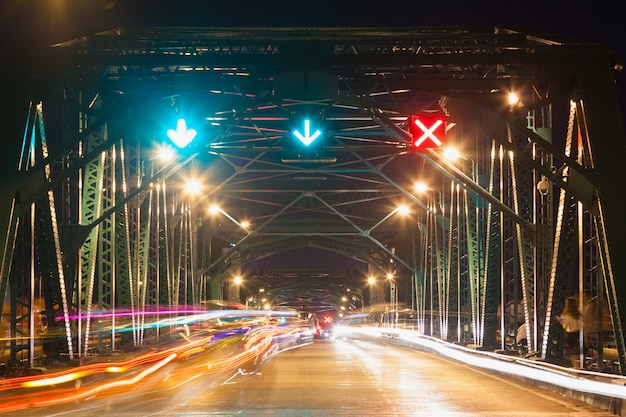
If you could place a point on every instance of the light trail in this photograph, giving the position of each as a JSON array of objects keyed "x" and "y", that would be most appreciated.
[
  {"x": 519, "y": 367},
  {"x": 257, "y": 342}
]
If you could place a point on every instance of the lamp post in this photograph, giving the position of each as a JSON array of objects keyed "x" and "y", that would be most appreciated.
[
  {"x": 192, "y": 188},
  {"x": 402, "y": 209},
  {"x": 244, "y": 225},
  {"x": 238, "y": 280},
  {"x": 214, "y": 209},
  {"x": 371, "y": 281},
  {"x": 393, "y": 299}
]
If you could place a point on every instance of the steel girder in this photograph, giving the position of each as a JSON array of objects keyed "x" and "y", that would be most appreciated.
[{"x": 245, "y": 86}]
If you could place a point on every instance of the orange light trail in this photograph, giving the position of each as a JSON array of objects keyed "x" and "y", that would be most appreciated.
[{"x": 256, "y": 343}]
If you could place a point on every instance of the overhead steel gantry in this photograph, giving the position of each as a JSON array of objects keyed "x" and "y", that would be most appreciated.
[{"x": 95, "y": 224}]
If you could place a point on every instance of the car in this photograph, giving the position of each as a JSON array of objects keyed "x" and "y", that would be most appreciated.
[{"x": 324, "y": 326}]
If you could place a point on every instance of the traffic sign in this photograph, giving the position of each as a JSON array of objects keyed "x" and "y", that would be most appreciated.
[
  {"x": 182, "y": 135},
  {"x": 428, "y": 131},
  {"x": 307, "y": 138}
]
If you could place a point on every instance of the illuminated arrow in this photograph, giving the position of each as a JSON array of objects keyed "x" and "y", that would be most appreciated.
[
  {"x": 307, "y": 139},
  {"x": 182, "y": 136}
]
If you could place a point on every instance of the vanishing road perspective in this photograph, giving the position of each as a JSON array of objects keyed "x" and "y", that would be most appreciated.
[
  {"x": 312, "y": 221},
  {"x": 342, "y": 376}
]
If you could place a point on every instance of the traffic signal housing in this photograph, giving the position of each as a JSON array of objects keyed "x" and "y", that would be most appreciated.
[{"x": 427, "y": 131}]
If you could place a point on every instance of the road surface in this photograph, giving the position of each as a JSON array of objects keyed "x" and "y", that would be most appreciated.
[{"x": 329, "y": 378}]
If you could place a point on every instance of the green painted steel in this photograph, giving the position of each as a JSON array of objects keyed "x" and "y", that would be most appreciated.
[{"x": 483, "y": 254}]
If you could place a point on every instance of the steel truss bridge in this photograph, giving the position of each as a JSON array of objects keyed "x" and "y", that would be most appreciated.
[{"x": 529, "y": 217}]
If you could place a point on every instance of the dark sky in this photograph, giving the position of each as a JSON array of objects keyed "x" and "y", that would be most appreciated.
[
  {"x": 40, "y": 20},
  {"x": 49, "y": 21}
]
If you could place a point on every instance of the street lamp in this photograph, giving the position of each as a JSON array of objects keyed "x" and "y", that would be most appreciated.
[
  {"x": 402, "y": 209},
  {"x": 368, "y": 233},
  {"x": 371, "y": 281},
  {"x": 513, "y": 100},
  {"x": 238, "y": 280},
  {"x": 393, "y": 299},
  {"x": 214, "y": 209},
  {"x": 192, "y": 188},
  {"x": 165, "y": 153},
  {"x": 431, "y": 206},
  {"x": 244, "y": 225},
  {"x": 452, "y": 154}
]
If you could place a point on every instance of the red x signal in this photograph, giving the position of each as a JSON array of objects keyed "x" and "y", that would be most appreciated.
[{"x": 428, "y": 131}]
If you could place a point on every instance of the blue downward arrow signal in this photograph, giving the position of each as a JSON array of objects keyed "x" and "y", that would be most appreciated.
[
  {"x": 182, "y": 136},
  {"x": 307, "y": 138}
]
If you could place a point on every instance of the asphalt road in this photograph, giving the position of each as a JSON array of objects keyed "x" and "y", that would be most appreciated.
[{"x": 336, "y": 378}]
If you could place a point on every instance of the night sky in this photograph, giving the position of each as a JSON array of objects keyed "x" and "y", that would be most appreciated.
[
  {"x": 50, "y": 21},
  {"x": 40, "y": 20}
]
